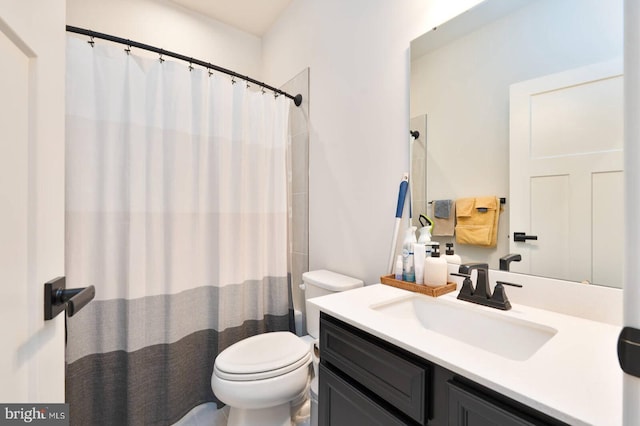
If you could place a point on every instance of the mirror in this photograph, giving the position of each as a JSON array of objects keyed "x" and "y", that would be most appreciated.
[{"x": 460, "y": 103}]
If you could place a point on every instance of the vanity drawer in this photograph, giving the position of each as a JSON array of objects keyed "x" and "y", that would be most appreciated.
[{"x": 389, "y": 375}]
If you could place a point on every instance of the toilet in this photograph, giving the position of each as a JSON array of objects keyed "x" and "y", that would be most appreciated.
[{"x": 259, "y": 377}]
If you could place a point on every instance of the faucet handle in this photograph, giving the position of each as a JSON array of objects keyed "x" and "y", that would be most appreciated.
[
  {"x": 499, "y": 297},
  {"x": 458, "y": 274},
  {"x": 467, "y": 285},
  {"x": 511, "y": 284}
]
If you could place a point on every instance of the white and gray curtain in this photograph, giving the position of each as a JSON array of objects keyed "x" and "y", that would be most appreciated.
[{"x": 176, "y": 212}]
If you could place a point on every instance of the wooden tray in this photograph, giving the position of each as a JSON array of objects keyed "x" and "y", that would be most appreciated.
[{"x": 423, "y": 289}]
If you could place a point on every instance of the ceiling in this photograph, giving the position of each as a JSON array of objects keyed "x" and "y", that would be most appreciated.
[{"x": 252, "y": 16}]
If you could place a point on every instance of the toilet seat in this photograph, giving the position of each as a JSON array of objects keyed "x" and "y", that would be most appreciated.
[{"x": 263, "y": 356}]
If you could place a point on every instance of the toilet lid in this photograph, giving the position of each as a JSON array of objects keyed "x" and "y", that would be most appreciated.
[{"x": 262, "y": 356}]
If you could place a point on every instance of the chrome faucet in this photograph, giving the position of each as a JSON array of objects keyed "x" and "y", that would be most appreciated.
[{"x": 481, "y": 294}]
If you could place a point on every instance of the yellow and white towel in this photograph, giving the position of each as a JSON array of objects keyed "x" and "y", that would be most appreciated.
[{"x": 477, "y": 221}]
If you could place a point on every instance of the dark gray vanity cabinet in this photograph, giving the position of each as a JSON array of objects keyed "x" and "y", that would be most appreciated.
[{"x": 364, "y": 380}]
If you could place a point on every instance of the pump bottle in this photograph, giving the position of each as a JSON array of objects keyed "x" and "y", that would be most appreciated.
[
  {"x": 435, "y": 269},
  {"x": 451, "y": 257}
]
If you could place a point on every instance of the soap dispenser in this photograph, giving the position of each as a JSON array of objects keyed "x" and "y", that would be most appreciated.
[
  {"x": 435, "y": 269},
  {"x": 451, "y": 257}
]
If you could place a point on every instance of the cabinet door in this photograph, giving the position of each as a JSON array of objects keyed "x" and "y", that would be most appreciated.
[
  {"x": 469, "y": 408},
  {"x": 344, "y": 405}
]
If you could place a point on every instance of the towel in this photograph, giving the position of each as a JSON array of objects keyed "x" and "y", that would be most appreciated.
[
  {"x": 443, "y": 226},
  {"x": 442, "y": 209},
  {"x": 477, "y": 221},
  {"x": 464, "y": 207}
]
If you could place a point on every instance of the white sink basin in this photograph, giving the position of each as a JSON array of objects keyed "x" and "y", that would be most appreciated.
[{"x": 511, "y": 338}]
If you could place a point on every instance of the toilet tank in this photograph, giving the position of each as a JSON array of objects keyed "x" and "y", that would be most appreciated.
[{"x": 320, "y": 283}]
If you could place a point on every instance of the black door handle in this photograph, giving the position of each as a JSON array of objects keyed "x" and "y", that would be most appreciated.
[
  {"x": 522, "y": 237},
  {"x": 58, "y": 298}
]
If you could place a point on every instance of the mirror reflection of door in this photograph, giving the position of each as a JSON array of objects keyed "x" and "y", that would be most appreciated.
[{"x": 566, "y": 180}]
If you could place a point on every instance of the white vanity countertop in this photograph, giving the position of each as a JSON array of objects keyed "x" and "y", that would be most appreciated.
[{"x": 575, "y": 377}]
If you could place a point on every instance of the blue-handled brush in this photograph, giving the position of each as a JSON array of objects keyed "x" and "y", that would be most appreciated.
[{"x": 402, "y": 194}]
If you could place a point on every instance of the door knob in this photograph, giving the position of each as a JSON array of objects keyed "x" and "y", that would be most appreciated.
[{"x": 522, "y": 237}]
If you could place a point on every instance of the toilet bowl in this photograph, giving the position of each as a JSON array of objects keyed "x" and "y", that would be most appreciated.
[{"x": 259, "y": 377}]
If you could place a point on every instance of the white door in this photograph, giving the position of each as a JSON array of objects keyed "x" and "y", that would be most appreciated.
[
  {"x": 566, "y": 181},
  {"x": 32, "y": 57}
]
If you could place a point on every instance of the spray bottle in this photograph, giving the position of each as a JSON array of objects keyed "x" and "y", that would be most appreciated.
[
  {"x": 399, "y": 267},
  {"x": 408, "y": 271},
  {"x": 425, "y": 231}
]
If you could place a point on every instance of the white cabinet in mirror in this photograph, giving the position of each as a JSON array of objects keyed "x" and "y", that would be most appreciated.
[{"x": 461, "y": 75}]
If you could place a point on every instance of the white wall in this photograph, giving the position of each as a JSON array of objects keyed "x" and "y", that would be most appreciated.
[
  {"x": 358, "y": 54},
  {"x": 164, "y": 24}
]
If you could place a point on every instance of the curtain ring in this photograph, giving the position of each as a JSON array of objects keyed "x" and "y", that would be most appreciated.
[
  {"x": 128, "y": 49},
  {"x": 91, "y": 42},
  {"x": 160, "y": 59},
  {"x": 210, "y": 72},
  {"x": 190, "y": 67},
  {"x": 263, "y": 91},
  {"x": 233, "y": 80}
]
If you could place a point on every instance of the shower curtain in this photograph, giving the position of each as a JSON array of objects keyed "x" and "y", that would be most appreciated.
[{"x": 176, "y": 212}]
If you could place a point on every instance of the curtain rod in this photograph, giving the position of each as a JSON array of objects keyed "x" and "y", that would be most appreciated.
[{"x": 297, "y": 99}]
